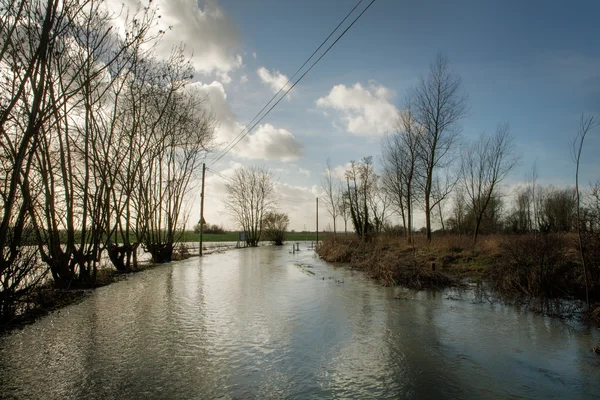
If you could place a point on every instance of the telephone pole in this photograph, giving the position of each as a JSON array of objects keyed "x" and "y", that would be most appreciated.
[
  {"x": 202, "y": 207},
  {"x": 317, "y": 222}
]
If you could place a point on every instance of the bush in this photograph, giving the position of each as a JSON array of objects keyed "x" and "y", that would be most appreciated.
[
  {"x": 275, "y": 224},
  {"x": 537, "y": 265},
  {"x": 591, "y": 253}
]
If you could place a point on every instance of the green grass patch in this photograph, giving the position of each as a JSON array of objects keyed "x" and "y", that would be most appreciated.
[{"x": 233, "y": 237}]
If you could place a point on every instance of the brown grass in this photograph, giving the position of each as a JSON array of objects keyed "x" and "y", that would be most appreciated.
[
  {"x": 394, "y": 261},
  {"x": 532, "y": 265}
]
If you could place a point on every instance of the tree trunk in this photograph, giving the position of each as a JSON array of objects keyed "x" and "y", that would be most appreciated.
[{"x": 427, "y": 219}]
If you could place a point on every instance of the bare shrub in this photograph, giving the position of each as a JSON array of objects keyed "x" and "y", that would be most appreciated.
[
  {"x": 535, "y": 265},
  {"x": 389, "y": 260}
]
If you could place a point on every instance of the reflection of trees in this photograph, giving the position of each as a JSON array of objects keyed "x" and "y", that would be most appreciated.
[{"x": 414, "y": 349}]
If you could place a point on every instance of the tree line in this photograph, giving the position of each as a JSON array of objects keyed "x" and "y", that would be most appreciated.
[
  {"x": 101, "y": 140},
  {"x": 428, "y": 166}
]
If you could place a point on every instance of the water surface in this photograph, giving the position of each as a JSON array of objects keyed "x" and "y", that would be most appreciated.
[{"x": 264, "y": 323}]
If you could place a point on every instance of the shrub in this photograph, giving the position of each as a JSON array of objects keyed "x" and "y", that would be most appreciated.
[
  {"x": 275, "y": 224},
  {"x": 535, "y": 265}
]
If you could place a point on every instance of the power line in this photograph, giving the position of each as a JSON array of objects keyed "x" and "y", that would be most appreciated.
[
  {"x": 219, "y": 175},
  {"x": 226, "y": 149},
  {"x": 295, "y": 83}
]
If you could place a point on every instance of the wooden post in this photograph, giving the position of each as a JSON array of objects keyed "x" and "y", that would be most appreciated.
[{"x": 202, "y": 207}]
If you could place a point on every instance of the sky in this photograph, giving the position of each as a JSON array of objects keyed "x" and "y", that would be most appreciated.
[{"x": 533, "y": 64}]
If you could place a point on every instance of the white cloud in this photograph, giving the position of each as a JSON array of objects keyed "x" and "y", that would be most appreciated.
[
  {"x": 221, "y": 110},
  {"x": 266, "y": 142},
  {"x": 203, "y": 27},
  {"x": 339, "y": 171},
  {"x": 254, "y": 54},
  {"x": 364, "y": 111},
  {"x": 270, "y": 143},
  {"x": 304, "y": 172},
  {"x": 244, "y": 78},
  {"x": 292, "y": 169},
  {"x": 276, "y": 80}
]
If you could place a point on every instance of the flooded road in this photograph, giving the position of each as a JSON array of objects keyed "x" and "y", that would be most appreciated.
[{"x": 264, "y": 323}]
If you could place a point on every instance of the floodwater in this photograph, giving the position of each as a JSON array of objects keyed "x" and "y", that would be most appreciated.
[{"x": 265, "y": 323}]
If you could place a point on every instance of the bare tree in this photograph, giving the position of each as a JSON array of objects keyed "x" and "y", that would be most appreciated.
[
  {"x": 459, "y": 211},
  {"x": 557, "y": 209},
  {"x": 379, "y": 205},
  {"x": 393, "y": 177},
  {"x": 332, "y": 194},
  {"x": 484, "y": 165},
  {"x": 586, "y": 123},
  {"x": 521, "y": 217},
  {"x": 440, "y": 193},
  {"x": 182, "y": 131},
  {"x": 402, "y": 165},
  {"x": 439, "y": 105},
  {"x": 535, "y": 216},
  {"x": 344, "y": 207},
  {"x": 593, "y": 205},
  {"x": 361, "y": 182},
  {"x": 250, "y": 196}
]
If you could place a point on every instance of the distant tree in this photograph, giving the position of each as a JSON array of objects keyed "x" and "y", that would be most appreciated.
[
  {"x": 586, "y": 123},
  {"x": 250, "y": 195},
  {"x": 459, "y": 210},
  {"x": 379, "y": 205},
  {"x": 557, "y": 209},
  {"x": 519, "y": 218},
  {"x": 593, "y": 207},
  {"x": 484, "y": 165},
  {"x": 361, "y": 182},
  {"x": 438, "y": 106},
  {"x": 401, "y": 165},
  {"x": 344, "y": 207},
  {"x": 275, "y": 225},
  {"x": 208, "y": 228},
  {"x": 332, "y": 194}
]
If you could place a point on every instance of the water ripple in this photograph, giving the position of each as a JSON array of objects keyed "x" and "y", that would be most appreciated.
[{"x": 253, "y": 323}]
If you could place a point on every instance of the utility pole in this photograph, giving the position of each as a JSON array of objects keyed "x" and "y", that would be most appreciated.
[
  {"x": 202, "y": 207},
  {"x": 317, "y": 222}
]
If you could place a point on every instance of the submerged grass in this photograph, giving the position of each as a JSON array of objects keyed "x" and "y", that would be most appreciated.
[
  {"x": 545, "y": 266},
  {"x": 392, "y": 261}
]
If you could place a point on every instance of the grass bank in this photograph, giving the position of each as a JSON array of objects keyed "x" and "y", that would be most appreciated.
[{"x": 545, "y": 266}]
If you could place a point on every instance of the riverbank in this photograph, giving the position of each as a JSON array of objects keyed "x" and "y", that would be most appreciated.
[
  {"x": 515, "y": 267},
  {"x": 48, "y": 298}
]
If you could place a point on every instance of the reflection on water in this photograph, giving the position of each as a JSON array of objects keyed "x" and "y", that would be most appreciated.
[{"x": 264, "y": 323}]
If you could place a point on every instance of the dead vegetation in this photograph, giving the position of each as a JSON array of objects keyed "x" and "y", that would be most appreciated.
[
  {"x": 544, "y": 265},
  {"x": 392, "y": 261}
]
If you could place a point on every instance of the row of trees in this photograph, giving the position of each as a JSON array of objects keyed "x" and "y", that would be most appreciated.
[
  {"x": 251, "y": 202},
  {"x": 425, "y": 169},
  {"x": 100, "y": 143}
]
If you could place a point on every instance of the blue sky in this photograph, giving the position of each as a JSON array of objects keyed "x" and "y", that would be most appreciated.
[{"x": 533, "y": 64}]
